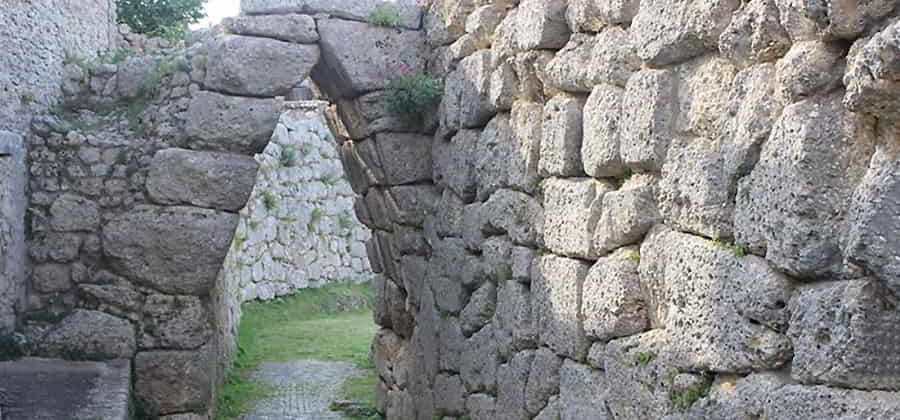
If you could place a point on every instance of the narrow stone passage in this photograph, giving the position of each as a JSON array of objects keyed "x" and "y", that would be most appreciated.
[{"x": 304, "y": 389}]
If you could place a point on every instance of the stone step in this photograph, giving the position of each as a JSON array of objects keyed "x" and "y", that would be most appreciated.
[{"x": 51, "y": 389}]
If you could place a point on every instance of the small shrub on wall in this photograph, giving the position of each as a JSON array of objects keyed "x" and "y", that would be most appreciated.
[
  {"x": 162, "y": 18},
  {"x": 385, "y": 15},
  {"x": 411, "y": 96}
]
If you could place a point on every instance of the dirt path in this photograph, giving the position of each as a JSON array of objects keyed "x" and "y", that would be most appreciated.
[{"x": 304, "y": 389}]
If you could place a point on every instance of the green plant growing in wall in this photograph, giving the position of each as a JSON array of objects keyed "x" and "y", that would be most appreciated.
[
  {"x": 644, "y": 358},
  {"x": 288, "y": 156},
  {"x": 345, "y": 221},
  {"x": 683, "y": 399},
  {"x": 269, "y": 200},
  {"x": 27, "y": 99},
  {"x": 385, "y": 15},
  {"x": 411, "y": 96},
  {"x": 314, "y": 218}
]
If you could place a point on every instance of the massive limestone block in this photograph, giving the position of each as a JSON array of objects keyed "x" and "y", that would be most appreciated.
[
  {"x": 556, "y": 305},
  {"x": 561, "y": 136},
  {"x": 360, "y": 10},
  {"x": 511, "y": 382},
  {"x": 627, "y": 214},
  {"x": 176, "y": 250},
  {"x": 513, "y": 322},
  {"x": 543, "y": 380},
  {"x": 479, "y": 362},
  {"x": 480, "y": 407},
  {"x": 844, "y": 334},
  {"x": 582, "y": 392},
  {"x": 735, "y": 397},
  {"x": 405, "y": 157},
  {"x": 204, "y": 179},
  {"x": 569, "y": 69},
  {"x": 449, "y": 395},
  {"x": 795, "y": 201},
  {"x": 694, "y": 193},
  {"x": 504, "y": 86},
  {"x": 572, "y": 208},
  {"x": 798, "y": 402},
  {"x": 230, "y": 124},
  {"x": 407, "y": 205},
  {"x": 874, "y": 215},
  {"x": 594, "y": 15},
  {"x": 454, "y": 163},
  {"x": 513, "y": 212},
  {"x": 480, "y": 309},
  {"x": 613, "y": 60},
  {"x": 542, "y": 24},
  {"x": 235, "y": 61},
  {"x": 704, "y": 90},
  {"x": 670, "y": 31},
  {"x": 291, "y": 27},
  {"x": 612, "y": 301},
  {"x": 639, "y": 376},
  {"x": 483, "y": 21},
  {"x": 71, "y": 212},
  {"x": 445, "y": 21},
  {"x": 169, "y": 382},
  {"x": 366, "y": 115},
  {"x": 845, "y": 20},
  {"x": 505, "y": 157},
  {"x": 648, "y": 118},
  {"x": 600, "y": 146},
  {"x": 721, "y": 312},
  {"x": 466, "y": 102},
  {"x": 89, "y": 335},
  {"x": 174, "y": 322},
  {"x": 525, "y": 119},
  {"x": 451, "y": 344},
  {"x": 349, "y": 69},
  {"x": 873, "y": 74},
  {"x": 809, "y": 68},
  {"x": 755, "y": 34}
]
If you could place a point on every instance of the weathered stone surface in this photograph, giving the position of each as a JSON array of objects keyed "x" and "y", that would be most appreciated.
[
  {"x": 612, "y": 302},
  {"x": 71, "y": 212},
  {"x": 542, "y": 24},
  {"x": 349, "y": 69},
  {"x": 173, "y": 249},
  {"x": 480, "y": 309},
  {"x": 572, "y": 208},
  {"x": 613, "y": 60},
  {"x": 600, "y": 146},
  {"x": 874, "y": 215},
  {"x": 444, "y": 22},
  {"x": 466, "y": 102},
  {"x": 561, "y": 136},
  {"x": 556, "y": 305},
  {"x": 517, "y": 214},
  {"x": 174, "y": 381},
  {"x": 808, "y": 68},
  {"x": 481, "y": 407},
  {"x": 543, "y": 380},
  {"x": 836, "y": 328},
  {"x": 511, "y": 380},
  {"x": 174, "y": 322},
  {"x": 525, "y": 119},
  {"x": 503, "y": 159},
  {"x": 50, "y": 278},
  {"x": 797, "y": 402},
  {"x": 704, "y": 91},
  {"x": 648, "y": 118},
  {"x": 513, "y": 323},
  {"x": 13, "y": 248},
  {"x": 708, "y": 299},
  {"x": 569, "y": 69},
  {"x": 504, "y": 87},
  {"x": 449, "y": 395},
  {"x": 794, "y": 202},
  {"x": 366, "y": 115},
  {"x": 290, "y": 27},
  {"x": 873, "y": 74},
  {"x": 627, "y": 214},
  {"x": 755, "y": 34},
  {"x": 451, "y": 345},
  {"x": 479, "y": 362},
  {"x": 582, "y": 392},
  {"x": 483, "y": 21},
  {"x": 406, "y": 158},
  {"x": 845, "y": 21},
  {"x": 638, "y": 375},
  {"x": 735, "y": 397},
  {"x": 454, "y": 163},
  {"x": 360, "y": 10},
  {"x": 203, "y": 179},
  {"x": 408, "y": 204},
  {"x": 670, "y": 31},
  {"x": 230, "y": 124},
  {"x": 89, "y": 335},
  {"x": 234, "y": 63}
]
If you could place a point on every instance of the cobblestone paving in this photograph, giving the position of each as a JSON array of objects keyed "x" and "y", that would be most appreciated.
[{"x": 305, "y": 389}]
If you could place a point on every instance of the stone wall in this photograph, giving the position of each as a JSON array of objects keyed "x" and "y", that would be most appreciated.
[
  {"x": 298, "y": 230},
  {"x": 12, "y": 229}
]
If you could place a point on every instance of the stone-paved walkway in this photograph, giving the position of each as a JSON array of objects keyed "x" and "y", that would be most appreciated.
[{"x": 305, "y": 389}]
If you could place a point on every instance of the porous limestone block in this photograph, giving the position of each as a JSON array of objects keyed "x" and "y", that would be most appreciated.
[
  {"x": 230, "y": 124},
  {"x": 449, "y": 395},
  {"x": 511, "y": 382},
  {"x": 704, "y": 91},
  {"x": 708, "y": 299},
  {"x": 174, "y": 322},
  {"x": 572, "y": 208},
  {"x": 613, "y": 60},
  {"x": 561, "y": 136},
  {"x": 612, "y": 301},
  {"x": 513, "y": 323},
  {"x": 89, "y": 335},
  {"x": 798, "y": 402},
  {"x": 175, "y": 250},
  {"x": 530, "y": 66},
  {"x": 516, "y": 213},
  {"x": 542, "y": 24},
  {"x": 406, "y": 157},
  {"x": 454, "y": 163},
  {"x": 873, "y": 76},
  {"x": 72, "y": 212},
  {"x": 483, "y": 21},
  {"x": 809, "y": 68},
  {"x": 234, "y": 62},
  {"x": 481, "y": 407},
  {"x": 445, "y": 21},
  {"x": 616, "y": 12},
  {"x": 480, "y": 308},
  {"x": 582, "y": 392},
  {"x": 755, "y": 34},
  {"x": 288, "y": 27},
  {"x": 496, "y": 156},
  {"x": 556, "y": 305},
  {"x": 408, "y": 11},
  {"x": 174, "y": 381},
  {"x": 670, "y": 31},
  {"x": 600, "y": 146},
  {"x": 735, "y": 397},
  {"x": 505, "y": 45},
  {"x": 648, "y": 119},
  {"x": 794, "y": 203},
  {"x": 844, "y": 334},
  {"x": 466, "y": 102},
  {"x": 479, "y": 362},
  {"x": 839, "y": 20},
  {"x": 543, "y": 380},
  {"x": 451, "y": 345},
  {"x": 627, "y": 214},
  {"x": 214, "y": 180},
  {"x": 407, "y": 205},
  {"x": 349, "y": 69},
  {"x": 569, "y": 70},
  {"x": 366, "y": 115},
  {"x": 639, "y": 376},
  {"x": 525, "y": 119},
  {"x": 504, "y": 86}
]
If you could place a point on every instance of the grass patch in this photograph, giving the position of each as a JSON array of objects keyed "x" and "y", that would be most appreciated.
[
  {"x": 385, "y": 15},
  {"x": 288, "y": 156},
  {"x": 269, "y": 200},
  {"x": 331, "y": 323},
  {"x": 684, "y": 399},
  {"x": 357, "y": 401},
  {"x": 644, "y": 358}
]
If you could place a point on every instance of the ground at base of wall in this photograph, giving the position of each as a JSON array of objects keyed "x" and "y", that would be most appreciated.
[{"x": 328, "y": 329}]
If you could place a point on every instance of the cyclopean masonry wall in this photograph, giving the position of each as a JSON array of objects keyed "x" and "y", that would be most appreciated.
[
  {"x": 621, "y": 210},
  {"x": 12, "y": 229},
  {"x": 298, "y": 230}
]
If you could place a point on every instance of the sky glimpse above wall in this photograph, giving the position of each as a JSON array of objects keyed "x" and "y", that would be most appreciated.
[{"x": 216, "y": 10}]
